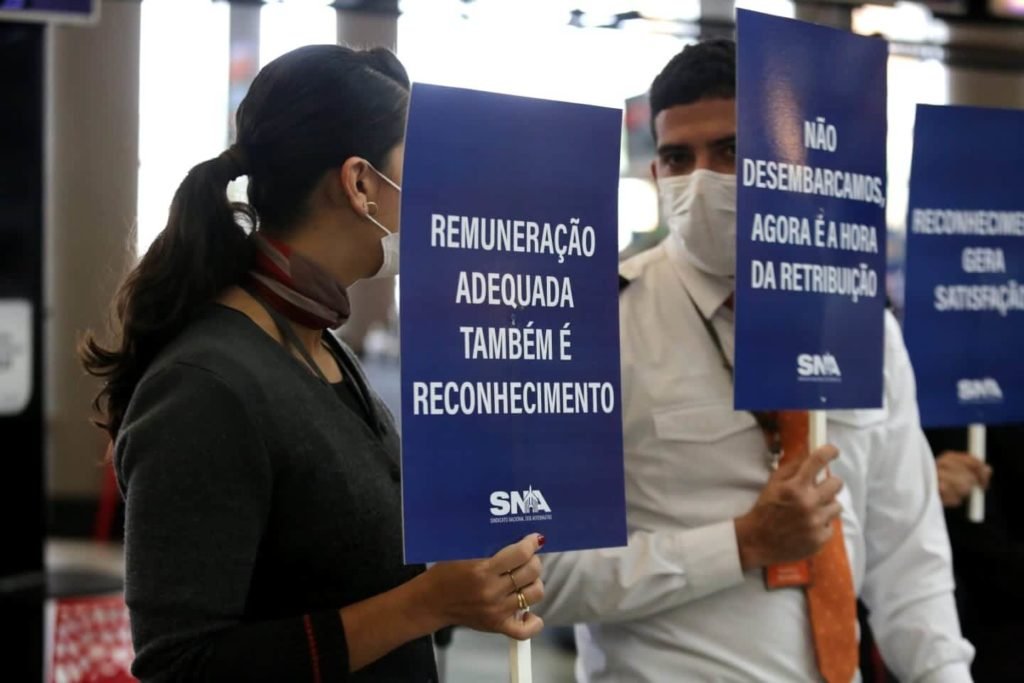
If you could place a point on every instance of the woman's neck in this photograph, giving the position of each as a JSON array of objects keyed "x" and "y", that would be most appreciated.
[
  {"x": 331, "y": 246},
  {"x": 242, "y": 301}
]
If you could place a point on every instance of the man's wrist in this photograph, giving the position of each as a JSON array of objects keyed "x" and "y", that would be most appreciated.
[{"x": 750, "y": 557}]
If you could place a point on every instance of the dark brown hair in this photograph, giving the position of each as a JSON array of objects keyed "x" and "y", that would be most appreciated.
[{"x": 305, "y": 113}]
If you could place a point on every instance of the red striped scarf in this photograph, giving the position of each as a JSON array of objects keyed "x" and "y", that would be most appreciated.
[{"x": 296, "y": 287}]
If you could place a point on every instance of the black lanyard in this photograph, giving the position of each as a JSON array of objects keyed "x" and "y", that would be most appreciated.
[
  {"x": 289, "y": 336},
  {"x": 766, "y": 420},
  {"x": 292, "y": 339}
]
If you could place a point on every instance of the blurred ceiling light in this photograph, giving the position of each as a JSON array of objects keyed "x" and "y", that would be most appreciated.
[
  {"x": 1012, "y": 9},
  {"x": 905, "y": 21},
  {"x": 662, "y": 14},
  {"x": 780, "y": 8}
]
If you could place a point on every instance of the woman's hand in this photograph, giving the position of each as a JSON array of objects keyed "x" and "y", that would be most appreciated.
[{"x": 482, "y": 594}]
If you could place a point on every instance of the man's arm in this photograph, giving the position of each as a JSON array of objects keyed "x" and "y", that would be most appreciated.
[
  {"x": 662, "y": 570},
  {"x": 908, "y": 585},
  {"x": 656, "y": 571}
]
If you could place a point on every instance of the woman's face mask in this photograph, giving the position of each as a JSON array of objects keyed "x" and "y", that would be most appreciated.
[
  {"x": 700, "y": 209},
  {"x": 390, "y": 241}
]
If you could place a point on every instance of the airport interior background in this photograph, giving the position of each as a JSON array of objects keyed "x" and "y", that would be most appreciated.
[{"x": 100, "y": 121}]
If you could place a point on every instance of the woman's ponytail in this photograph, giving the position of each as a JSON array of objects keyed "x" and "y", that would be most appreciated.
[{"x": 202, "y": 250}]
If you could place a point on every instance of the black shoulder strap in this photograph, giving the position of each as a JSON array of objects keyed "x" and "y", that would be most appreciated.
[
  {"x": 291, "y": 339},
  {"x": 766, "y": 420}
]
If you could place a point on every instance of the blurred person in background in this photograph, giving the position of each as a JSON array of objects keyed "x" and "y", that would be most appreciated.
[
  {"x": 988, "y": 558},
  {"x": 372, "y": 313},
  {"x": 709, "y": 505},
  {"x": 260, "y": 471}
]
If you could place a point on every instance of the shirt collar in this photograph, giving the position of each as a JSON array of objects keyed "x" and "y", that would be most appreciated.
[{"x": 709, "y": 292}]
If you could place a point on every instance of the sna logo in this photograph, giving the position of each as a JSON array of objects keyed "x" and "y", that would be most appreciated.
[
  {"x": 984, "y": 390},
  {"x": 818, "y": 367},
  {"x": 529, "y": 502}
]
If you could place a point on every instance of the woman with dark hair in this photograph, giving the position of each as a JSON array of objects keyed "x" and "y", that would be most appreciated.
[{"x": 260, "y": 472}]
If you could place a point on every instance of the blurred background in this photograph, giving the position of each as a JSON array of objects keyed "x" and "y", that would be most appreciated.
[{"x": 106, "y": 106}]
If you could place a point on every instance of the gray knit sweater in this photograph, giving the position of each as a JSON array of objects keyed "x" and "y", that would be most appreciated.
[{"x": 257, "y": 504}]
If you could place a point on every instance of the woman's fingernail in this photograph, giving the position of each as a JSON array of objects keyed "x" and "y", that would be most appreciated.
[{"x": 541, "y": 540}]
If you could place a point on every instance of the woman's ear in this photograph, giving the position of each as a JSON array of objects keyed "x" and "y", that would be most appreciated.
[{"x": 356, "y": 184}]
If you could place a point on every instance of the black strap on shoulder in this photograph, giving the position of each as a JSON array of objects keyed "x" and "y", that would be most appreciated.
[
  {"x": 290, "y": 338},
  {"x": 766, "y": 420}
]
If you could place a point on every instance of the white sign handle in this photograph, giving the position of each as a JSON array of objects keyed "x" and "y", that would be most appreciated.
[
  {"x": 818, "y": 431},
  {"x": 520, "y": 661},
  {"x": 976, "y": 447},
  {"x": 817, "y": 435},
  {"x": 15, "y": 355}
]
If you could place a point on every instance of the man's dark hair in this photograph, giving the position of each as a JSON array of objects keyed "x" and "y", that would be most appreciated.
[{"x": 703, "y": 71}]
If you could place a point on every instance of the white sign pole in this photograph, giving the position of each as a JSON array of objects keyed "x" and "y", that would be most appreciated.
[
  {"x": 15, "y": 355},
  {"x": 976, "y": 447},
  {"x": 520, "y": 661},
  {"x": 818, "y": 431}
]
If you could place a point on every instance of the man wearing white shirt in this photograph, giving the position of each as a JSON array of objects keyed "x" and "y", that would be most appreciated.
[{"x": 686, "y": 600}]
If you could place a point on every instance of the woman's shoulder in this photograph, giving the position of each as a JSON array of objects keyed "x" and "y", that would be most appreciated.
[
  {"x": 224, "y": 343},
  {"x": 220, "y": 357},
  {"x": 217, "y": 367}
]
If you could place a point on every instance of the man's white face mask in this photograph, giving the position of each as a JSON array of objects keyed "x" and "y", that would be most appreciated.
[{"x": 700, "y": 209}]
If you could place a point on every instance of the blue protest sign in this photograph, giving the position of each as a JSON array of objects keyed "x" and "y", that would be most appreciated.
[
  {"x": 810, "y": 222},
  {"x": 509, "y": 323},
  {"x": 72, "y": 11},
  {"x": 964, "y": 302}
]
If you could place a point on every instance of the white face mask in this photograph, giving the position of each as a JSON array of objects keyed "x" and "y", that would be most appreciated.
[
  {"x": 390, "y": 243},
  {"x": 700, "y": 209}
]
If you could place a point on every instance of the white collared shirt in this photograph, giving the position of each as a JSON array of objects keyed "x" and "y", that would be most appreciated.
[{"x": 675, "y": 605}]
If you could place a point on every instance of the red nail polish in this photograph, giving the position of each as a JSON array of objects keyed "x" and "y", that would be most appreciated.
[{"x": 541, "y": 540}]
